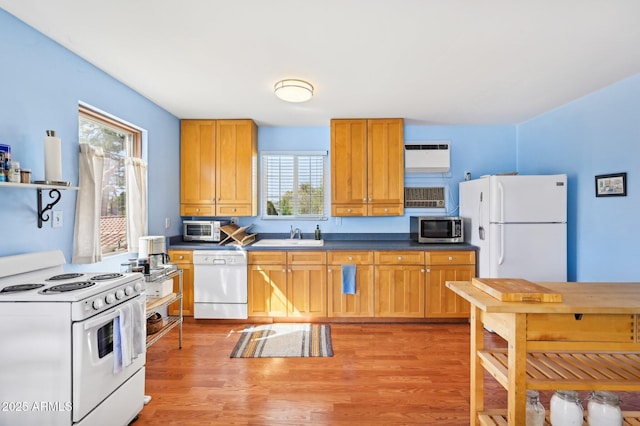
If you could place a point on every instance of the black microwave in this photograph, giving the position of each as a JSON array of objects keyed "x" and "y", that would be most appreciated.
[{"x": 436, "y": 229}]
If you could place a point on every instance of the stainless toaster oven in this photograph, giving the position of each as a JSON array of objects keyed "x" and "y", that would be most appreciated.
[{"x": 202, "y": 230}]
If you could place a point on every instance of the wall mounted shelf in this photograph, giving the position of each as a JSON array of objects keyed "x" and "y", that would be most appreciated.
[{"x": 54, "y": 193}]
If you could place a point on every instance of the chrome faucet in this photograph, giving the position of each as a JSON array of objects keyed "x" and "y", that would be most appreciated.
[{"x": 295, "y": 232}]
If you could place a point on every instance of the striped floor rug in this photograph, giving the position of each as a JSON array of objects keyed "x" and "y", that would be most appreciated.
[{"x": 283, "y": 341}]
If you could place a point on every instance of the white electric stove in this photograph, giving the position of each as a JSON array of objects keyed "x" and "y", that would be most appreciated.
[{"x": 73, "y": 344}]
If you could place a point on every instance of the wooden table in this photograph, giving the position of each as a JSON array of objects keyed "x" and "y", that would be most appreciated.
[{"x": 589, "y": 341}]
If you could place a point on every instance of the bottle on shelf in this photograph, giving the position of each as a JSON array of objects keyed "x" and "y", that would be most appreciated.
[{"x": 535, "y": 409}]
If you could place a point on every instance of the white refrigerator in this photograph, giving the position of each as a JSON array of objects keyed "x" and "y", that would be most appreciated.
[{"x": 519, "y": 224}]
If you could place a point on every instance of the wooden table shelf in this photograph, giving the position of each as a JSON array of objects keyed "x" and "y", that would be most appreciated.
[
  {"x": 499, "y": 418},
  {"x": 588, "y": 341},
  {"x": 615, "y": 371}
]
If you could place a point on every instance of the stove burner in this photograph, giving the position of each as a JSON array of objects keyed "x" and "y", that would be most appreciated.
[
  {"x": 103, "y": 277},
  {"x": 64, "y": 277},
  {"x": 63, "y": 288},
  {"x": 20, "y": 287}
]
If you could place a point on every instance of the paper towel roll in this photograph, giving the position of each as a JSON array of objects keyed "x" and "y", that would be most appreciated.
[{"x": 52, "y": 159}]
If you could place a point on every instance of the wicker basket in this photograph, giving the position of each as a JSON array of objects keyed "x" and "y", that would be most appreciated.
[{"x": 154, "y": 323}]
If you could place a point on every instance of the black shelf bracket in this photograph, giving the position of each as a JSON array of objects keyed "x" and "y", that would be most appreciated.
[{"x": 43, "y": 216}]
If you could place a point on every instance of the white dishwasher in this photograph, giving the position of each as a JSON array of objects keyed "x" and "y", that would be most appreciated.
[{"x": 220, "y": 284}]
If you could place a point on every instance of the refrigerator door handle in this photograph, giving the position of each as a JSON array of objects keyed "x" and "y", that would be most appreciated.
[
  {"x": 501, "y": 191},
  {"x": 501, "y": 257},
  {"x": 480, "y": 218}
]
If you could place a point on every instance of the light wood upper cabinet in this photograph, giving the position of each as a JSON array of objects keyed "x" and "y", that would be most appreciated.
[
  {"x": 197, "y": 167},
  {"x": 218, "y": 168},
  {"x": 349, "y": 164},
  {"x": 367, "y": 167},
  {"x": 236, "y": 171},
  {"x": 385, "y": 153}
]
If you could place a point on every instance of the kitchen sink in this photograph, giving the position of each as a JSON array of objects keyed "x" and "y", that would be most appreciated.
[{"x": 288, "y": 242}]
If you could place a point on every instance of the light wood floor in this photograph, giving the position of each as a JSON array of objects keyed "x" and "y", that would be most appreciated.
[{"x": 381, "y": 374}]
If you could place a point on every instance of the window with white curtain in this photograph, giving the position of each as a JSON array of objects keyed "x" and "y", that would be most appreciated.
[
  {"x": 118, "y": 142},
  {"x": 293, "y": 185}
]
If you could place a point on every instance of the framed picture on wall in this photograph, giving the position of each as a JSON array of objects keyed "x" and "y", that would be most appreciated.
[{"x": 613, "y": 185}]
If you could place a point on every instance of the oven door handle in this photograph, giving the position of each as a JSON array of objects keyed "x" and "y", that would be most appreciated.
[{"x": 101, "y": 320}]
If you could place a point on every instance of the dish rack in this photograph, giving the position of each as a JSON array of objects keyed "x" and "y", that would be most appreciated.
[{"x": 238, "y": 234}]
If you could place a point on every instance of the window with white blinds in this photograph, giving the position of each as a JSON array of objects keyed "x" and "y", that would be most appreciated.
[{"x": 293, "y": 185}]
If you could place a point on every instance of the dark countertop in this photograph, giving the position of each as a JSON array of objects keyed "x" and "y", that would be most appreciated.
[{"x": 331, "y": 242}]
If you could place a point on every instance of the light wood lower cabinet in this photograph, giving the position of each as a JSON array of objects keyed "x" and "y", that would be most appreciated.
[
  {"x": 267, "y": 284},
  {"x": 389, "y": 284},
  {"x": 399, "y": 284},
  {"x": 267, "y": 290},
  {"x": 350, "y": 305},
  {"x": 445, "y": 266},
  {"x": 184, "y": 260},
  {"x": 287, "y": 284}
]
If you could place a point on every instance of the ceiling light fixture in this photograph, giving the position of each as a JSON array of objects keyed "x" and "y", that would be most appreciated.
[{"x": 292, "y": 90}]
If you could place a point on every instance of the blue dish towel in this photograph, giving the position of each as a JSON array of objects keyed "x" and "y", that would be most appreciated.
[{"x": 349, "y": 279}]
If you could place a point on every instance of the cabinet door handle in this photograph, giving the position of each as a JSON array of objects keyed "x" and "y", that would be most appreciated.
[
  {"x": 364, "y": 199},
  {"x": 399, "y": 257},
  {"x": 289, "y": 270},
  {"x": 450, "y": 258},
  {"x": 284, "y": 270},
  {"x": 329, "y": 270},
  {"x": 386, "y": 210},
  {"x": 350, "y": 257},
  {"x": 422, "y": 270},
  {"x": 197, "y": 209},
  {"x": 233, "y": 209},
  {"x": 181, "y": 257},
  {"x": 348, "y": 210},
  {"x": 428, "y": 270}
]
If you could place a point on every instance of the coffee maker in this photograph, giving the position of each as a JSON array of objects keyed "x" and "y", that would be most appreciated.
[{"x": 153, "y": 248}]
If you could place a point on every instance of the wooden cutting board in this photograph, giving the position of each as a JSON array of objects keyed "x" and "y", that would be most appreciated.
[{"x": 516, "y": 290}]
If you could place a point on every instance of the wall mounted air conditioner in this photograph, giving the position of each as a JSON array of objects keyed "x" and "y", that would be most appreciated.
[
  {"x": 426, "y": 197},
  {"x": 423, "y": 157}
]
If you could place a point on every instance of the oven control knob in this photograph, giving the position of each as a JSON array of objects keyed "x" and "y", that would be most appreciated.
[
  {"x": 137, "y": 286},
  {"x": 110, "y": 298},
  {"x": 128, "y": 290},
  {"x": 119, "y": 294},
  {"x": 98, "y": 304}
]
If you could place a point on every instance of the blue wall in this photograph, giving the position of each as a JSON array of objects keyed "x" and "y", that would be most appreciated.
[
  {"x": 42, "y": 84},
  {"x": 597, "y": 134}
]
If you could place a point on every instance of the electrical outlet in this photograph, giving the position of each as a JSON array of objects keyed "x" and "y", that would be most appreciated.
[
  {"x": 57, "y": 219},
  {"x": 235, "y": 220},
  {"x": 167, "y": 222}
]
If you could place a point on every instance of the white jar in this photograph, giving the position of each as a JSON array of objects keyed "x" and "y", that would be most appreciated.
[
  {"x": 14, "y": 172},
  {"x": 535, "y": 409},
  {"x": 565, "y": 409},
  {"x": 603, "y": 409}
]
